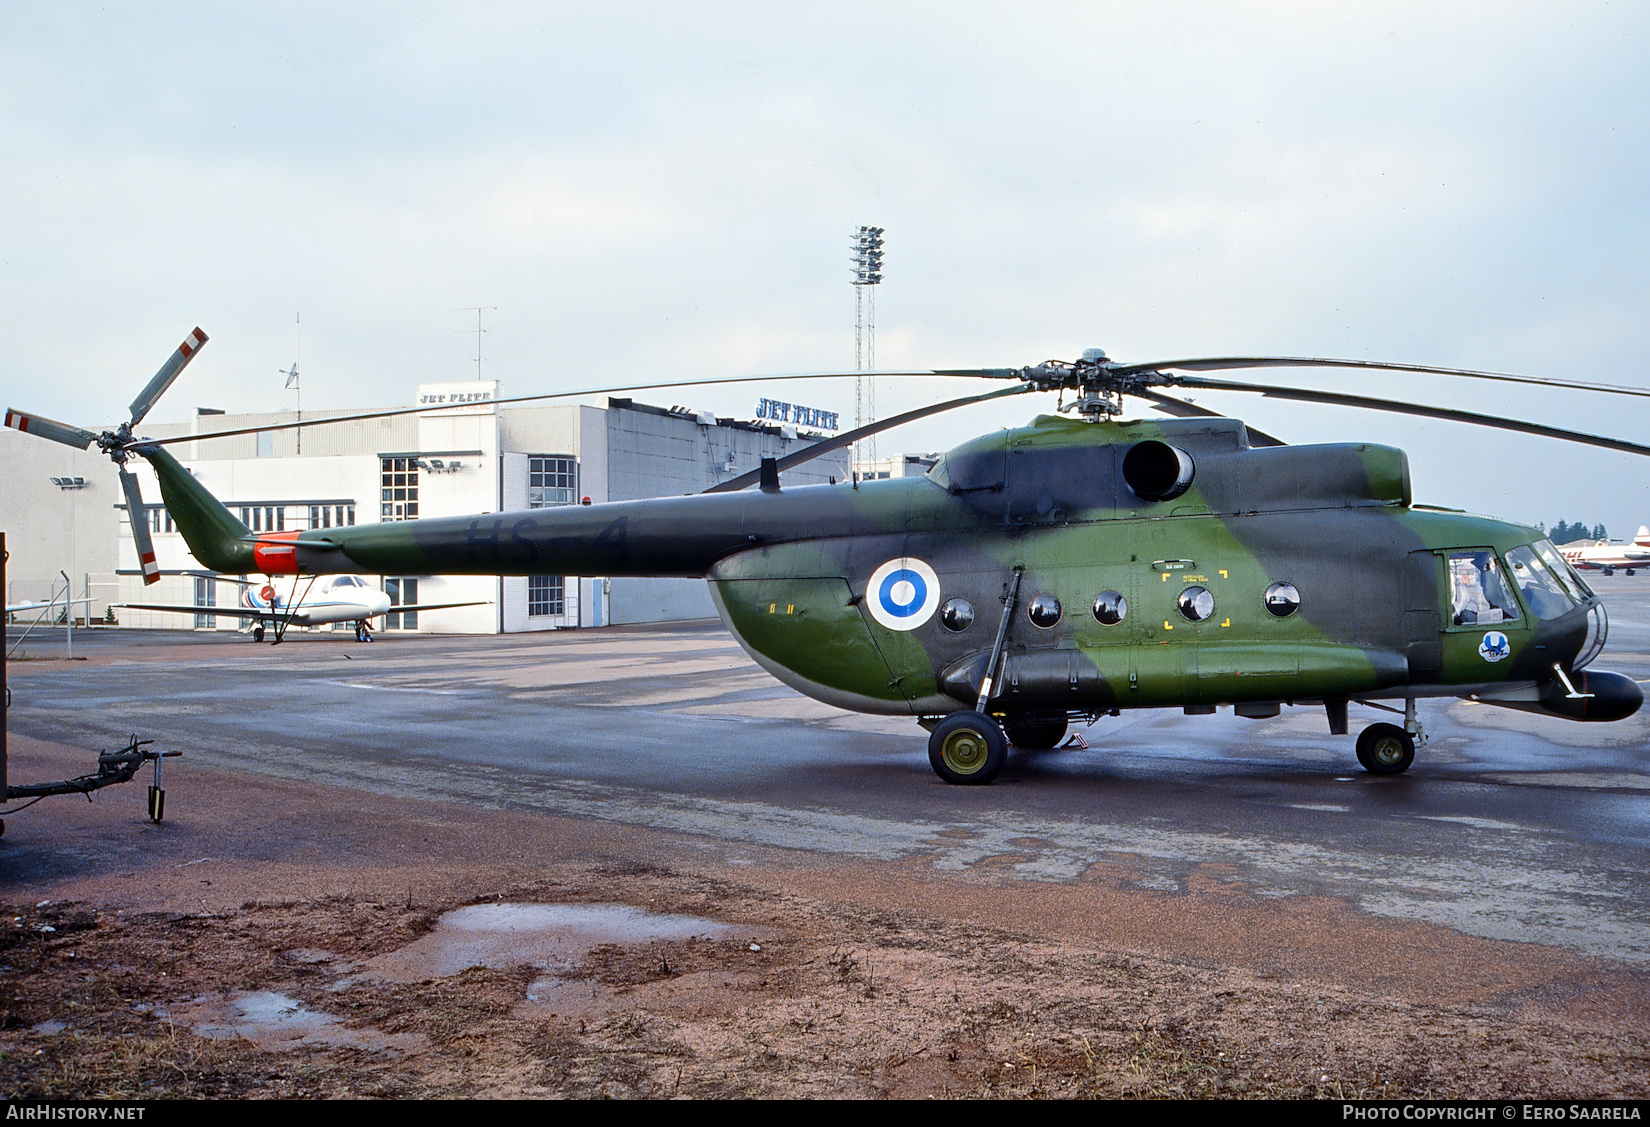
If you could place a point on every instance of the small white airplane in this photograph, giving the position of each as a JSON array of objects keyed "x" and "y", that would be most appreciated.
[
  {"x": 1607, "y": 556},
  {"x": 327, "y": 599}
]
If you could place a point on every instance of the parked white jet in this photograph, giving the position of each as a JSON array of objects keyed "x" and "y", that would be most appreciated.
[
  {"x": 1608, "y": 556},
  {"x": 333, "y": 598}
]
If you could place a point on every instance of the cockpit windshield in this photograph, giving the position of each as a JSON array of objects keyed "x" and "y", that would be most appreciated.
[
  {"x": 1567, "y": 575},
  {"x": 1543, "y": 592}
]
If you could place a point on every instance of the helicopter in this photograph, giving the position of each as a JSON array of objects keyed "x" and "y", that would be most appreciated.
[{"x": 1061, "y": 571}]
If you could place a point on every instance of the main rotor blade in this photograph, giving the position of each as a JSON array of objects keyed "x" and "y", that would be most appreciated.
[
  {"x": 138, "y": 517},
  {"x": 1337, "y": 400},
  {"x": 169, "y": 371},
  {"x": 848, "y": 438},
  {"x": 49, "y": 428},
  {"x": 1181, "y": 409},
  {"x": 985, "y": 373},
  {"x": 1231, "y": 363}
]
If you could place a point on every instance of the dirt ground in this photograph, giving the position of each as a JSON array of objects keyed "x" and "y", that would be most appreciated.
[{"x": 266, "y": 942}]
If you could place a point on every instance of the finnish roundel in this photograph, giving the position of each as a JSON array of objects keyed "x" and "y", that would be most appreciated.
[{"x": 903, "y": 593}]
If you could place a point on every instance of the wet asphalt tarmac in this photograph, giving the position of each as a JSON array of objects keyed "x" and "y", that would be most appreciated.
[{"x": 1509, "y": 826}]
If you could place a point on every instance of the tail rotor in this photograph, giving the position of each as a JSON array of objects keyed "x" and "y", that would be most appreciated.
[{"x": 119, "y": 443}]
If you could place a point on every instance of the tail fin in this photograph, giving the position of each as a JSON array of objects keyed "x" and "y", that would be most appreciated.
[
  {"x": 214, "y": 536},
  {"x": 1643, "y": 538}
]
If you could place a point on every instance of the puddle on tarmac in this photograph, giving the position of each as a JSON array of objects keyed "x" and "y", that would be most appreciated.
[
  {"x": 551, "y": 937},
  {"x": 548, "y": 936},
  {"x": 274, "y": 1021}
]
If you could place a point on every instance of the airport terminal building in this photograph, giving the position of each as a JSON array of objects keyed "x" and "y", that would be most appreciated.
[{"x": 478, "y": 458}]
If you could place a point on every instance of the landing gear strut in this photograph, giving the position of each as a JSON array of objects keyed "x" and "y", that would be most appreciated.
[{"x": 363, "y": 632}]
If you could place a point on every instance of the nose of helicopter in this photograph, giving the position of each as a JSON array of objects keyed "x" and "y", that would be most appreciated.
[{"x": 1572, "y": 690}]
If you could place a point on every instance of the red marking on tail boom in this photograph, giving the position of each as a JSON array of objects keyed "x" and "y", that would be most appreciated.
[{"x": 273, "y": 560}]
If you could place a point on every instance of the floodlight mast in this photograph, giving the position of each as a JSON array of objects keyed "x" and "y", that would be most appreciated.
[{"x": 867, "y": 264}]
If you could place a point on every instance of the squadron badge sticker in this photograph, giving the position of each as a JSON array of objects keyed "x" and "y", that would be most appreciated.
[
  {"x": 903, "y": 593},
  {"x": 1494, "y": 646}
]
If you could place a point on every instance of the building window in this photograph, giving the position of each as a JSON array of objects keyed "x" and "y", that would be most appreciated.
[
  {"x": 206, "y": 595},
  {"x": 552, "y": 480},
  {"x": 403, "y": 593},
  {"x": 264, "y": 518},
  {"x": 399, "y": 489},
  {"x": 331, "y": 516},
  {"x": 546, "y": 595},
  {"x": 159, "y": 519}
]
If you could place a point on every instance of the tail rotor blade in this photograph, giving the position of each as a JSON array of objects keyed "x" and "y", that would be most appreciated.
[
  {"x": 169, "y": 371},
  {"x": 139, "y": 518},
  {"x": 49, "y": 428}
]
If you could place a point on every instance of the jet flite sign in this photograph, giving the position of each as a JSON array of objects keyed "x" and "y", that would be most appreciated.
[
  {"x": 472, "y": 397},
  {"x": 796, "y": 414}
]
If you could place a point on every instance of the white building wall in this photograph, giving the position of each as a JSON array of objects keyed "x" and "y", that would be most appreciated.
[{"x": 49, "y": 529}]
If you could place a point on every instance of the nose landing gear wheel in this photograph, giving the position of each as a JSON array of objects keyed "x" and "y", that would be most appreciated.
[
  {"x": 967, "y": 748},
  {"x": 1385, "y": 749}
]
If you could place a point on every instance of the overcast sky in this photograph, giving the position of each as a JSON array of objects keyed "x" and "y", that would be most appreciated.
[{"x": 653, "y": 190}]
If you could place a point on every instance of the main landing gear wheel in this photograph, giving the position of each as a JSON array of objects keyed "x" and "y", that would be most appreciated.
[
  {"x": 1385, "y": 749},
  {"x": 257, "y": 633},
  {"x": 967, "y": 747},
  {"x": 1034, "y": 732}
]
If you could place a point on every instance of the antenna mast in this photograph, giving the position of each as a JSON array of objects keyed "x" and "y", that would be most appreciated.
[
  {"x": 478, "y": 310},
  {"x": 291, "y": 375},
  {"x": 867, "y": 264}
]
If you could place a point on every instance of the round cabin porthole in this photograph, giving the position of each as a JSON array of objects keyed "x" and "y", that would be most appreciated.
[
  {"x": 1196, "y": 604},
  {"x": 1110, "y": 608},
  {"x": 957, "y": 615},
  {"x": 1045, "y": 611},
  {"x": 1282, "y": 600}
]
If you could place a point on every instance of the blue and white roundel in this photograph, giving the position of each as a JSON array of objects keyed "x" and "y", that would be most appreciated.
[{"x": 903, "y": 593}]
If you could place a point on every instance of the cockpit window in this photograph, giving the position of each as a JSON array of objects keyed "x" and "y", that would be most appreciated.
[
  {"x": 1478, "y": 590},
  {"x": 1543, "y": 593}
]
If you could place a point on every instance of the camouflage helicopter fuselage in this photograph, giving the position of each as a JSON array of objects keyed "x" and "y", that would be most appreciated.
[{"x": 1143, "y": 564}]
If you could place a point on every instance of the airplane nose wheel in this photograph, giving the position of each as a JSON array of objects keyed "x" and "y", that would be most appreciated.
[
  {"x": 1385, "y": 749},
  {"x": 968, "y": 748}
]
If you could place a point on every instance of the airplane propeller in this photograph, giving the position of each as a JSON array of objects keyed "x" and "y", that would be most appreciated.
[{"x": 118, "y": 443}]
